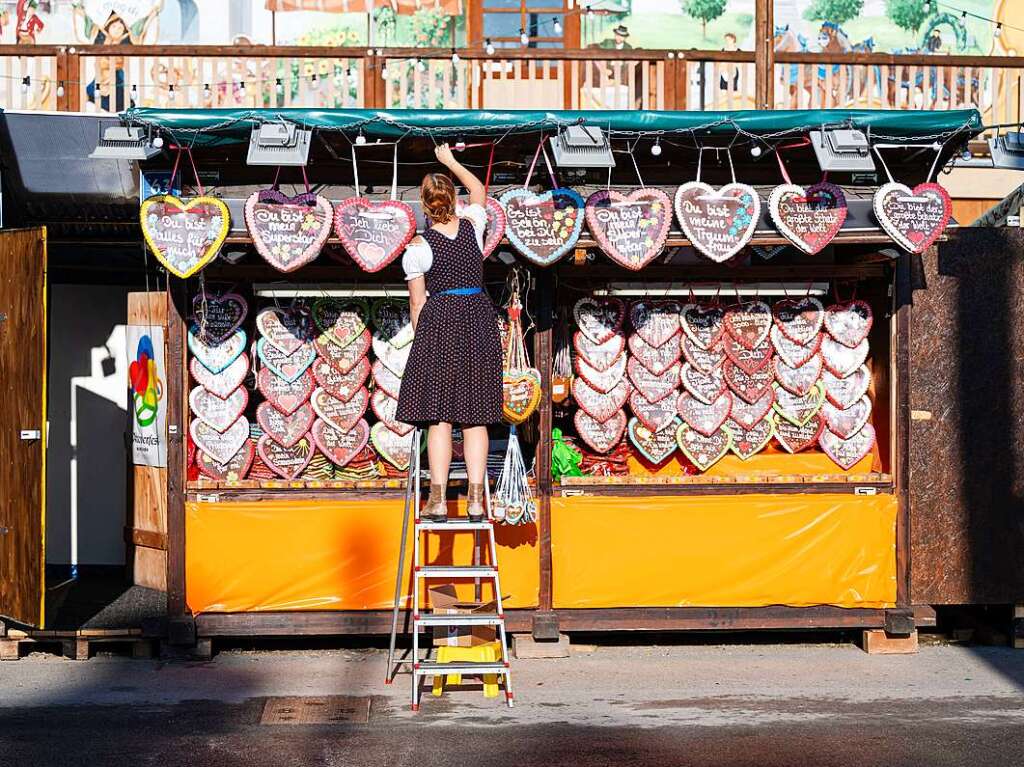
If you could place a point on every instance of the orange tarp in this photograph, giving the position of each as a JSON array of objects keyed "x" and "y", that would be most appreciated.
[
  {"x": 724, "y": 551},
  {"x": 324, "y": 555}
]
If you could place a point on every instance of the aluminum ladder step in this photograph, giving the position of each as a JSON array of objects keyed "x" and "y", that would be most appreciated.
[
  {"x": 454, "y": 525},
  {"x": 433, "y": 669},
  {"x": 475, "y": 619},
  {"x": 455, "y": 571}
]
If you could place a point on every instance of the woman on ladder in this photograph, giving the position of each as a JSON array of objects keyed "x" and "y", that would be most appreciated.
[{"x": 453, "y": 376}]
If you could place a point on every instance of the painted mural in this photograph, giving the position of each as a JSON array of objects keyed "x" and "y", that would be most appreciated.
[{"x": 902, "y": 26}]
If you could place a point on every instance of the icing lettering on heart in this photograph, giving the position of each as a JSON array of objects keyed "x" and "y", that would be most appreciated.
[
  {"x": 846, "y": 423},
  {"x": 799, "y": 319},
  {"x": 340, "y": 445},
  {"x": 747, "y": 442},
  {"x": 718, "y": 223},
  {"x": 849, "y": 322},
  {"x": 341, "y": 385},
  {"x": 795, "y": 439},
  {"x": 288, "y": 231},
  {"x": 848, "y": 452},
  {"x": 343, "y": 358},
  {"x": 184, "y": 235},
  {"x": 799, "y": 410},
  {"x": 798, "y": 380},
  {"x": 840, "y": 359},
  {"x": 654, "y": 388},
  {"x": 656, "y": 322},
  {"x": 341, "y": 414},
  {"x": 394, "y": 358},
  {"x": 286, "y": 462},
  {"x": 286, "y": 329},
  {"x": 747, "y": 360},
  {"x": 792, "y": 353},
  {"x": 216, "y": 412},
  {"x": 704, "y": 451},
  {"x": 341, "y": 321},
  {"x": 286, "y": 396},
  {"x": 385, "y": 407},
  {"x": 233, "y": 470},
  {"x": 219, "y": 357},
  {"x": 914, "y": 218},
  {"x": 749, "y": 323},
  {"x": 599, "y": 356},
  {"x": 520, "y": 394},
  {"x": 843, "y": 392},
  {"x": 706, "y": 419},
  {"x": 224, "y": 382},
  {"x": 656, "y": 446},
  {"x": 657, "y": 359},
  {"x": 602, "y": 380},
  {"x": 219, "y": 445},
  {"x": 599, "y": 319},
  {"x": 600, "y": 405},
  {"x": 809, "y": 218},
  {"x": 284, "y": 429},
  {"x": 600, "y": 436},
  {"x": 746, "y": 414},
  {"x": 543, "y": 227},
  {"x": 216, "y": 318},
  {"x": 392, "y": 322},
  {"x": 704, "y": 324},
  {"x": 374, "y": 232},
  {"x": 394, "y": 448},
  {"x": 654, "y": 415},
  {"x": 287, "y": 366},
  {"x": 386, "y": 380},
  {"x": 707, "y": 387},
  {"x": 748, "y": 386},
  {"x": 630, "y": 228},
  {"x": 705, "y": 360}
]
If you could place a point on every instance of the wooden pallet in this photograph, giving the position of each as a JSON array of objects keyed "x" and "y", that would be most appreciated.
[{"x": 76, "y": 645}]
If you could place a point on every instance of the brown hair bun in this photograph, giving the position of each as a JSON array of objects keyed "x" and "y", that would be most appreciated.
[{"x": 437, "y": 194}]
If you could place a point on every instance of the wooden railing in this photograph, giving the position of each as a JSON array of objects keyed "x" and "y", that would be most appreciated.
[{"x": 112, "y": 78}]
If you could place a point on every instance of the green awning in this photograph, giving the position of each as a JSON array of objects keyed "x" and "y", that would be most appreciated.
[{"x": 226, "y": 126}]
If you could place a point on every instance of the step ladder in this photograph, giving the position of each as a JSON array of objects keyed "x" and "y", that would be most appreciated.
[{"x": 479, "y": 571}]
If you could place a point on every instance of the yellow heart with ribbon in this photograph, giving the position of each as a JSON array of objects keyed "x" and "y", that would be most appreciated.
[
  {"x": 520, "y": 394},
  {"x": 184, "y": 235}
]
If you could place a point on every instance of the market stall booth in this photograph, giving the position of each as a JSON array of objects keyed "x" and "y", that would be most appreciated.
[{"x": 712, "y": 404}]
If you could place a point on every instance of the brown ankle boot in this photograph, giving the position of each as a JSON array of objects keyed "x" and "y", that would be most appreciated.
[
  {"x": 475, "y": 502},
  {"x": 436, "y": 509}
]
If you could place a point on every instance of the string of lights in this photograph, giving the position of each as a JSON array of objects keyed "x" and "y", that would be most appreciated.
[{"x": 965, "y": 14}]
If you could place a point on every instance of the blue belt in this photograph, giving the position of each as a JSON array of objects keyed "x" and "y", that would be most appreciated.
[{"x": 460, "y": 292}]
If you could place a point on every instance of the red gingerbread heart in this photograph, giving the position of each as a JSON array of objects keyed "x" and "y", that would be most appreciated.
[
  {"x": 798, "y": 380},
  {"x": 705, "y": 360},
  {"x": 340, "y": 446},
  {"x": 341, "y": 385},
  {"x": 809, "y": 218},
  {"x": 657, "y": 359},
  {"x": 749, "y": 386},
  {"x": 286, "y": 396},
  {"x": 656, "y": 322},
  {"x": 286, "y": 462},
  {"x": 343, "y": 358},
  {"x": 226, "y": 381},
  {"x": 747, "y": 360},
  {"x": 600, "y": 436},
  {"x": 747, "y": 414},
  {"x": 233, "y": 470},
  {"x": 654, "y": 388},
  {"x": 799, "y": 319},
  {"x": 599, "y": 356},
  {"x": 630, "y": 228},
  {"x": 848, "y": 452},
  {"x": 599, "y": 318},
  {"x": 749, "y": 323},
  {"x": 600, "y": 405},
  {"x": 795, "y": 439},
  {"x": 284, "y": 429},
  {"x": 704, "y": 324},
  {"x": 374, "y": 232},
  {"x": 655, "y": 416},
  {"x": 849, "y": 322},
  {"x": 705, "y": 418}
]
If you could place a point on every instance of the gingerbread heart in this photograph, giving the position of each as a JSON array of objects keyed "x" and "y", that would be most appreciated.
[
  {"x": 285, "y": 329},
  {"x": 703, "y": 450},
  {"x": 809, "y": 218},
  {"x": 600, "y": 436},
  {"x": 602, "y": 380},
  {"x": 219, "y": 357},
  {"x": 218, "y": 317},
  {"x": 656, "y": 322},
  {"x": 653, "y": 415},
  {"x": 520, "y": 394},
  {"x": 234, "y": 469},
  {"x": 343, "y": 358},
  {"x": 705, "y": 360},
  {"x": 341, "y": 414},
  {"x": 374, "y": 232},
  {"x": 656, "y": 446},
  {"x": 385, "y": 380},
  {"x": 630, "y": 228},
  {"x": 840, "y": 359},
  {"x": 747, "y": 360},
  {"x": 705, "y": 418},
  {"x": 385, "y": 407},
  {"x": 600, "y": 405},
  {"x": 543, "y": 227},
  {"x": 704, "y": 324},
  {"x": 219, "y": 445},
  {"x": 799, "y": 409},
  {"x": 798, "y": 380},
  {"x": 843, "y": 392},
  {"x": 657, "y": 359},
  {"x": 340, "y": 320},
  {"x": 284, "y": 429},
  {"x": 286, "y": 366},
  {"x": 184, "y": 235},
  {"x": 746, "y": 414},
  {"x": 340, "y": 445},
  {"x": 795, "y": 439},
  {"x": 394, "y": 448},
  {"x": 914, "y": 218},
  {"x": 394, "y": 358},
  {"x": 286, "y": 462},
  {"x": 748, "y": 386},
  {"x": 392, "y": 322},
  {"x": 599, "y": 319},
  {"x": 654, "y": 388},
  {"x": 799, "y": 319},
  {"x": 224, "y": 382},
  {"x": 286, "y": 396},
  {"x": 719, "y": 222},
  {"x": 845, "y": 423},
  {"x": 496, "y": 224},
  {"x": 599, "y": 356},
  {"x": 341, "y": 385},
  {"x": 847, "y": 452},
  {"x": 216, "y": 412},
  {"x": 749, "y": 323},
  {"x": 707, "y": 387},
  {"x": 747, "y": 442},
  {"x": 792, "y": 353},
  {"x": 849, "y": 322},
  {"x": 288, "y": 232}
]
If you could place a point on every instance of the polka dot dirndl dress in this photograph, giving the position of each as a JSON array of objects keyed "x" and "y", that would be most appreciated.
[{"x": 454, "y": 370}]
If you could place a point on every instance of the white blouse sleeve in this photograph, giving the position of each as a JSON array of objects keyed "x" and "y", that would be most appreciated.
[
  {"x": 478, "y": 217},
  {"x": 417, "y": 259}
]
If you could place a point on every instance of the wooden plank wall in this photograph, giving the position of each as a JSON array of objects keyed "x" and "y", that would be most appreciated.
[{"x": 147, "y": 536}]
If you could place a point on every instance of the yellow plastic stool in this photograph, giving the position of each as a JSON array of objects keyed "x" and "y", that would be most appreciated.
[{"x": 485, "y": 653}]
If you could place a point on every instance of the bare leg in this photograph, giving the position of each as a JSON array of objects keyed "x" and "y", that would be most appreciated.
[
  {"x": 439, "y": 452},
  {"x": 476, "y": 447}
]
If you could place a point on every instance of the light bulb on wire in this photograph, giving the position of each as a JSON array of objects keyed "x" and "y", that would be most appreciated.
[
  {"x": 360, "y": 139},
  {"x": 421, "y": 65},
  {"x": 523, "y": 37},
  {"x": 455, "y": 56},
  {"x": 656, "y": 148},
  {"x": 60, "y": 89},
  {"x": 170, "y": 93},
  {"x": 207, "y": 93},
  {"x": 26, "y": 83},
  {"x": 158, "y": 142},
  {"x": 556, "y": 26},
  {"x": 279, "y": 86},
  {"x": 489, "y": 47},
  {"x": 755, "y": 151},
  {"x": 966, "y": 154},
  {"x": 998, "y": 31},
  {"x": 384, "y": 72}
]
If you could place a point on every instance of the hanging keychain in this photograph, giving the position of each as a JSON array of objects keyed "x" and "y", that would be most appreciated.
[
  {"x": 808, "y": 217},
  {"x": 914, "y": 218},
  {"x": 718, "y": 223},
  {"x": 184, "y": 235},
  {"x": 374, "y": 232},
  {"x": 543, "y": 227},
  {"x": 521, "y": 385}
]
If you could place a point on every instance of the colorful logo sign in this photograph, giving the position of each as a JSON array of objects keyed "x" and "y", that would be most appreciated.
[{"x": 147, "y": 388}]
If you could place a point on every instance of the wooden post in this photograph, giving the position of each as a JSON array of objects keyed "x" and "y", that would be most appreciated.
[
  {"x": 764, "y": 55},
  {"x": 900, "y": 349},
  {"x": 545, "y": 625}
]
